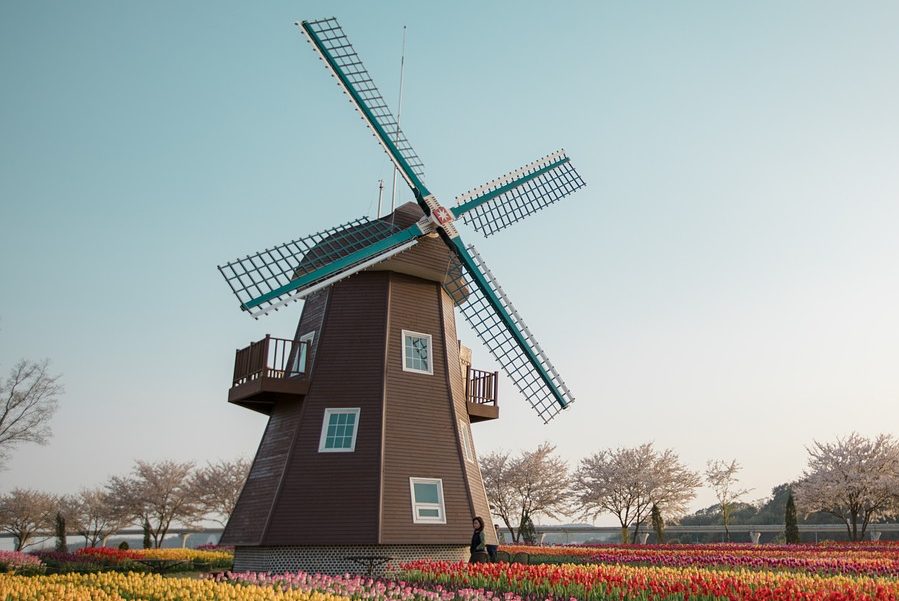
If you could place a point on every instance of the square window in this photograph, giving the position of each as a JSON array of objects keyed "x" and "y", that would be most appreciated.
[
  {"x": 338, "y": 431},
  {"x": 417, "y": 353},
  {"x": 427, "y": 501}
]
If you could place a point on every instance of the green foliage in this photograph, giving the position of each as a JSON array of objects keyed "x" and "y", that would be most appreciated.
[
  {"x": 771, "y": 511},
  {"x": 526, "y": 531},
  {"x": 658, "y": 524},
  {"x": 124, "y": 545},
  {"x": 147, "y": 543},
  {"x": 60, "y": 526},
  {"x": 791, "y": 527}
]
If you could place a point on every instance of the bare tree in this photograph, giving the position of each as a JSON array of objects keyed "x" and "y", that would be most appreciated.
[
  {"x": 24, "y": 513},
  {"x": 159, "y": 494},
  {"x": 93, "y": 514},
  {"x": 217, "y": 487},
  {"x": 28, "y": 399},
  {"x": 722, "y": 477},
  {"x": 626, "y": 482},
  {"x": 523, "y": 487},
  {"x": 855, "y": 479}
]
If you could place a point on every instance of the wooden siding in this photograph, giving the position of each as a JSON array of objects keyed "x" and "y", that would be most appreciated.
[
  {"x": 250, "y": 515},
  {"x": 456, "y": 377},
  {"x": 429, "y": 259},
  {"x": 333, "y": 498},
  {"x": 408, "y": 422},
  {"x": 419, "y": 433}
]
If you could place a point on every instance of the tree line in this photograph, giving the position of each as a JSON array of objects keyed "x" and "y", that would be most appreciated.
[
  {"x": 154, "y": 496},
  {"x": 854, "y": 479}
]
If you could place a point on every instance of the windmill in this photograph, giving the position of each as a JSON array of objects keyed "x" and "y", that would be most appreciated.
[{"x": 367, "y": 453}]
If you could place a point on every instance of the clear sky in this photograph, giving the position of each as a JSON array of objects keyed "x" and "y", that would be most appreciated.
[{"x": 727, "y": 285}]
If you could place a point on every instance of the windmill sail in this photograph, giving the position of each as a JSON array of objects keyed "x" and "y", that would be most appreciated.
[
  {"x": 518, "y": 194},
  {"x": 339, "y": 56},
  {"x": 273, "y": 277},
  {"x": 506, "y": 336}
]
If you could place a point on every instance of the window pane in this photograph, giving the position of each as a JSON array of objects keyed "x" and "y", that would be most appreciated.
[
  {"x": 428, "y": 513},
  {"x": 426, "y": 493}
]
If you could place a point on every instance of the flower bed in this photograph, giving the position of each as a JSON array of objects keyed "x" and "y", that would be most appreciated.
[
  {"x": 361, "y": 588},
  {"x": 115, "y": 586},
  {"x": 194, "y": 557},
  {"x": 58, "y": 561},
  {"x": 880, "y": 559},
  {"x": 603, "y": 582},
  {"x": 20, "y": 563}
]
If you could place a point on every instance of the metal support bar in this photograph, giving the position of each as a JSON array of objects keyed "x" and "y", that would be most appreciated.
[
  {"x": 374, "y": 250},
  {"x": 474, "y": 271},
  {"x": 460, "y": 210}
]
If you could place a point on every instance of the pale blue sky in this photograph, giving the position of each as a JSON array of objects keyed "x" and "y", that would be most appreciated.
[{"x": 726, "y": 285}]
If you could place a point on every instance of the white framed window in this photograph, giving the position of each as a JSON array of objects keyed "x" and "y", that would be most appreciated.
[
  {"x": 465, "y": 440},
  {"x": 427, "y": 501},
  {"x": 417, "y": 353},
  {"x": 301, "y": 357},
  {"x": 339, "y": 430}
]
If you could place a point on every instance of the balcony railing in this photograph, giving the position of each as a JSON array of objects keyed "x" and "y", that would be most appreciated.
[
  {"x": 480, "y": 387},
  {"x": 271, "y": 358}
]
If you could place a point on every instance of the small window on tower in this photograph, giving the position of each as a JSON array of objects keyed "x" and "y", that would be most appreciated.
[
  {"x": 465, "y": 439},
  {"x": 427, "y": 501},
  {"x": 417, "y": 353},
  {"x": 339, "y": 431},
  {"x": 301, "y": 355}
]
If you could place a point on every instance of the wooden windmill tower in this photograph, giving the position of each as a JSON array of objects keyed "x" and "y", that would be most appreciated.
[{"x": 368, "y": 450}]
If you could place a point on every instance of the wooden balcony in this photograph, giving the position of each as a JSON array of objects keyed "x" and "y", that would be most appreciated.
[
  {"x": 269, "y": 370},
  {"x": 480, "y": 395}
]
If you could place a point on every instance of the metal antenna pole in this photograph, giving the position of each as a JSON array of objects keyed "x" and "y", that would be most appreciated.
[
  {"x": 399, "y": 110},
  {"x": 380, "y": 194}
]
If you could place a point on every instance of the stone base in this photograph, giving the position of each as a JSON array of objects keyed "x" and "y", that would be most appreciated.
[{"x": 333, "y": 560}]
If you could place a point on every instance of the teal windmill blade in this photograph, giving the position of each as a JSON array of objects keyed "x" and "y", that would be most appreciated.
[
  {"x": 271, "y": 278},
  {"x": 518, "y": 194},
  {"x": 340, "y": 58},
  {"x": 488, "y": 310}
]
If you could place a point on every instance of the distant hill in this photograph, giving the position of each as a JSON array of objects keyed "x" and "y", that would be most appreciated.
[{"x": 768, "y": 511}]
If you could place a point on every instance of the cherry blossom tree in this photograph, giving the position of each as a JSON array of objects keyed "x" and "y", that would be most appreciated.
[
  {"x": 94, "y": 515},
  {"x": 24, "y": 513},
  {"x": 158, "y": 494},
  {"x": 525, "y": 486},
  {"x": 626, "y": 482},
  {"x": 855, "y": 479},
  {"x": 218, "y": 485}
]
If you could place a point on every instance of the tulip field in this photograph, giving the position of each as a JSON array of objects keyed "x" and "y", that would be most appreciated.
[
  {"x": 826, "y": 572},
  {"x": 876, "y": 559}
]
